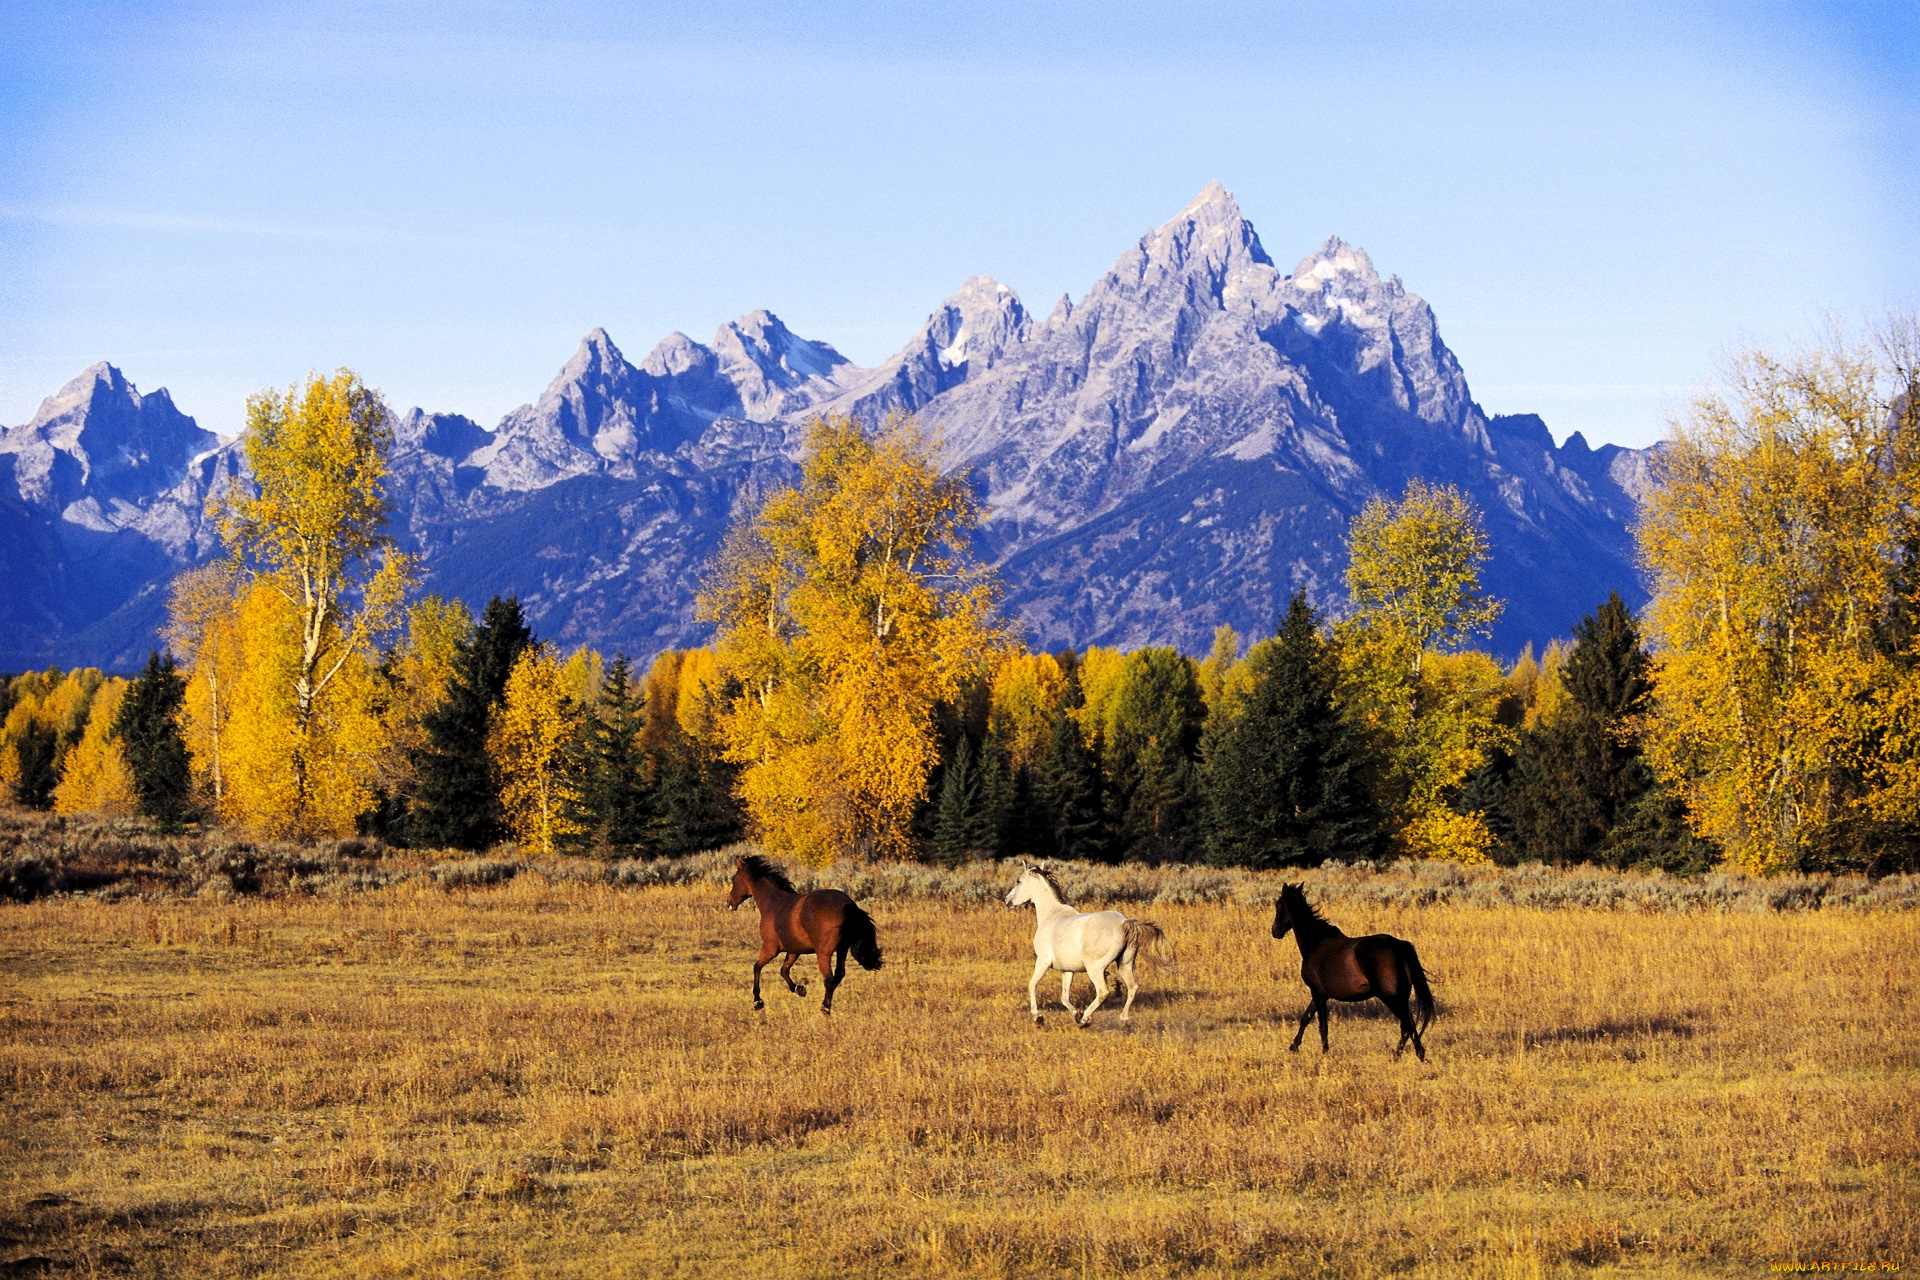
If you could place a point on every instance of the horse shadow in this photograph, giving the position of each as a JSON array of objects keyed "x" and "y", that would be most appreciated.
[{"x": 1612, "y": 1031}]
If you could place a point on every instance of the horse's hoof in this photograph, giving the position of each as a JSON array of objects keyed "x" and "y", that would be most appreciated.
[
  {"x": 801, "y": 991},
  {"x": 1039, "y": 1019},
  {"x": 1293, "y": 1048},
  {"x": 759, "y": 1004}
]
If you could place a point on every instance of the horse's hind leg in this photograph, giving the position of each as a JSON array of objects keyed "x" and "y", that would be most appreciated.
[
  {"x": 1098, "y": 975},
  {"x": 1398, "y": 1006},
  {"x": 786, "y": 972},
  {"x": 833, "y": 971},
  {"x": 1133, "y": 989}
]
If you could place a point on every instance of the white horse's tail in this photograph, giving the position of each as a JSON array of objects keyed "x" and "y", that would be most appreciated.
[{"x": 1140, "y": 937}]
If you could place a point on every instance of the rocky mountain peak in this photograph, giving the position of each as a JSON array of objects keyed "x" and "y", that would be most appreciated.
[
  {"x": 99, "y": 437},
  {"x": 976, "y": 325},
  {"x": 774, "y": 370}
]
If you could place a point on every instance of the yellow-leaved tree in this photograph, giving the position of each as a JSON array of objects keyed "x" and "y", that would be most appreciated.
[
  {"x": 1429, "y": 714},
  {"x": 1783, "y": 535},
  {"x": 847, "y": 607},
  {"x": 312, "y": 532},
  {"x": 94, "y": 777},
  {"x": 203, "y": 629},
  {"x": 1026, "y": 695},
  {"x": 534, "y": 744}
]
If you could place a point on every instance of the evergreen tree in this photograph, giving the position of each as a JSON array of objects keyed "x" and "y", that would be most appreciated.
[
  {"x": 994, "y": 820},
  {"x": 694, "y": 809},
  {"x": 1157, "y": 717},
  {"x": 148, "y": 725},
  {"x": 1579, "y": 775},
  {"x": 956, "y": 814},
  {"x": 1281, "y": 775},
  {"x": 457, "y": 803},
  {"x": 38, "y": 748},
  {"x": 616, "y": 802},
  {"x": 1067, "y": 792}
]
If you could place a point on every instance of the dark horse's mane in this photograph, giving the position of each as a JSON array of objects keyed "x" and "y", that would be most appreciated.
[
  {"x": 758, "y": 868},
  {"x": 1047, "y": 875},
  {"x": 1301, "y": 910}
]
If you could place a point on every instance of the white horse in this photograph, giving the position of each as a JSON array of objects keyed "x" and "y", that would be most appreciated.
[{"x": 1076, "y": 942}]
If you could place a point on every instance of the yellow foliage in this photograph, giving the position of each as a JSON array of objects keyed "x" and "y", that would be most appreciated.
[
  {"x": 280, "y": 783},
  {"x": 203, "y": 626},
  {"x": 1027, "y": 688},
  {"x": 1413, "y": 566},
  {"x": 847, "y": 607},
  {"x": 51, "y": 703},
  {"x": 1783, "y": 507},
  {"x": 314, "y": 532},
  {"x": 697, "y": 694},
  {"x": 95, "y": 777},
  {"x": 531, "y": 743},
  {"x": 420, "y": 670},
  {"x": 1442, "y": 833},
  {"x": 1101, "y": 672}
]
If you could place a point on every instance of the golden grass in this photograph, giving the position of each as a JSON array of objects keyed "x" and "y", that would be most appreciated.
[{"x": 567, "y": 1079}]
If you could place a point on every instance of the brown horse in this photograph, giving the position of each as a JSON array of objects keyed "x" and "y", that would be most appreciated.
[
  {"x": 824, "y": 923},
  {"x": 1337, "y": 967}
]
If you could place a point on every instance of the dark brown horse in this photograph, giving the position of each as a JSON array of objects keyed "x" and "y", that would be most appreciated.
[
  {"x": 1337, "y": 967},
  {"x": 824, "y": 923}
]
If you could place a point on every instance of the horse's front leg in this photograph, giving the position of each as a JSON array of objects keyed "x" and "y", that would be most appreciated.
[
  {"x": 1321, "y": 1003},
  {"x": 1040, "y": 968},
  {"x": 1306, "y": 1016},
  {"x": 1066, "y": 992},
  {"x": 767, "y": 952},
  {"x": 786, "y": 972}
]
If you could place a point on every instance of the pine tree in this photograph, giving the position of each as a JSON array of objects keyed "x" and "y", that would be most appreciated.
[
  {"x": 616, "y": 805},
  {"x": 694, "y": 809},
  {"x": 148, "y": 724},
  {"x": 1281, "y": 775},
  {"x": 38, "y": 748},
  {"x": 1579, "y": 775},
  {"x": 1067, "y": 793},
  {"x": 957, "y": 812},
  {"x": 994, "y": 820},
  {"x": 457, "y": 804}
]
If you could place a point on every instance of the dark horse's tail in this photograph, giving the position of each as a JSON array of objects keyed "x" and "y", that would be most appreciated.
[
  {"x": 856, "y": 930},
  {"x": 1422, "y": 993}
]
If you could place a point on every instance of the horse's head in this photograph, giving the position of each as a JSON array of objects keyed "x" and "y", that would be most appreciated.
[
  {"x": 1282, "y": 912},
  {"x": 1023, "y": 888},
  {"x": 742, "y": 885}
]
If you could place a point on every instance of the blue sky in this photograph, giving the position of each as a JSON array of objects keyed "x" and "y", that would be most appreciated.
[{"x": 1599, "y": 204}]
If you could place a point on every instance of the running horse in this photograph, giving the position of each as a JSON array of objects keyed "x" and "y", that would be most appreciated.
[
  {"x": 1079, "y": 942},
  {"x": 1337, "y": 967},
  {"x": 824, "y": 923}
]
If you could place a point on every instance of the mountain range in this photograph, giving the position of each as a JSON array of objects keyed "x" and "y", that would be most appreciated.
[{"x": 1183, "y": 446}]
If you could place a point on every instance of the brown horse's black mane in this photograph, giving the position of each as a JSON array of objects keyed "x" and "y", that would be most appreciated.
[
  {"x": 758, "y": 868},
  {"x": 1304, "y": 914}
]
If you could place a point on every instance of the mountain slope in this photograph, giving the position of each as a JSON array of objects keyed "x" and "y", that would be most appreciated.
[{"x": 1182, "y": 447}]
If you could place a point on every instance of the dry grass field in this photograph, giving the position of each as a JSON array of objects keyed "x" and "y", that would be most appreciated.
[{"x": 555, "y": 1078}]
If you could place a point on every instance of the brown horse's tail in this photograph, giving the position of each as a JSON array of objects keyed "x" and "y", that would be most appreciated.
[
  {"x": 1422, "y": 993},
  {"x": 1140, "y": 936},
  {"x": 856, "y": 930}
]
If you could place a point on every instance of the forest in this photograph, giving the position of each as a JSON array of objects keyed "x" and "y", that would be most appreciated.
[{"x": 866, "y": 695}]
